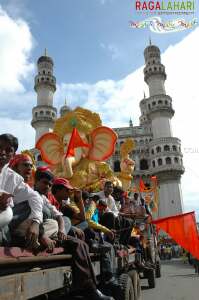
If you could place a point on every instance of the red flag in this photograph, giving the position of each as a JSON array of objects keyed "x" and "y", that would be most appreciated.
[
  {"x": 182, "y": 228},
  {"x": 75, "y": 142},
  {"x": 142, "y": 187}
]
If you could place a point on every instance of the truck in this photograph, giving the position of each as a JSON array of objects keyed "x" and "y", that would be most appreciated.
[{"x": 24, "y": 275}]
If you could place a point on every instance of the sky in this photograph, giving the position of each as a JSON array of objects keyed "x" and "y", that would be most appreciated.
[{"x": 98, "y": 64}]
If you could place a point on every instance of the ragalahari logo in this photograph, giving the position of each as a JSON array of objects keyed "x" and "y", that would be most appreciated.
[
  {"x": 172, "y": 6},
  {"x": 153, "y": 9}
]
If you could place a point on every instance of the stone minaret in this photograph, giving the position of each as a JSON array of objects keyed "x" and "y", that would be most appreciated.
[
  {"x": 64, "y": 109},
  {"x": 44, "y": 114},
  {"x": 164, "y": 149}
]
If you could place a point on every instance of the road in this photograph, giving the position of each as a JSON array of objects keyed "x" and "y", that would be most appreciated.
[{"x": 178, "y": 282}]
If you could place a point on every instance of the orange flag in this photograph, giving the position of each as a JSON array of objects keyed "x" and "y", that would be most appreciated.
[
  {"x": 182, "y": 228},
  {"x": 75, "y": 142},
  {"x": 142, "y": 186}
]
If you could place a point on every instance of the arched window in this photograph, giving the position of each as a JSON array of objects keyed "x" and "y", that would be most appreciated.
[
  {"x": 174, "y": 148},
  {"x": 168, "y": 160},
  {"x": 159, "y": 161},
  {"x": 48, "y": 112},
  {"x": 152, "y": 151},
  {"x": 176, "y": 160},
  {"x": 149, "y": 106},
  {"x": 166, "y": 102},
  {"x": 158, "y": 149},
  {"x": 153, "y": 103},
  {"x": 159, "y": 101},
  {"x": 36, "y": 114},
  {"x": 166, "y": 148},
  {"x": 44, "y": 72},
  {"x": 144, "y": 164},
  {"x": 41, "y": 112},
  {"x": 42, "y": 78},
  {"x": 117, "y": 166},
  {"x": 153, "y": 163},
  {"x": 141, "y": 142}
]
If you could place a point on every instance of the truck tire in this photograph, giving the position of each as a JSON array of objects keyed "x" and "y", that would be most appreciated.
[
  {"x": 158, "y": 270},
  {"x": 126, "y": 291},
  {"x": 151, "y": 278},
  {"x": 136, "y": 283}
]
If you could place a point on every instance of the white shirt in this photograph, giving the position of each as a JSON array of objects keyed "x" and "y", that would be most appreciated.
[
  {"x": 13, "y": 183},
  {"x": 51, "y": 207},
  {"x": 110, "y": 202}
]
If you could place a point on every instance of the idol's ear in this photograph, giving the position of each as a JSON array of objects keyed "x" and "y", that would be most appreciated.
[
  {"x": 103, "y": 143},
  {"x": 51, "y": 148}
]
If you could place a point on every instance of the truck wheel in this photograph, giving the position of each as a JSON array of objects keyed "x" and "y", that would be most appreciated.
[
  {"x": 126, "y": 291},
  {"x": 158, "y": 270},
  {"x": 151, "y": 278},
  {"x": 136, "y": 283}
]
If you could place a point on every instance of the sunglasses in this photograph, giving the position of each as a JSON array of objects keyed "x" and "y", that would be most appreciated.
[{"x": 28, "y": 165}]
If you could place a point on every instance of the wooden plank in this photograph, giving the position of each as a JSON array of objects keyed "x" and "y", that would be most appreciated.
[{"x": 31, "y": 284}]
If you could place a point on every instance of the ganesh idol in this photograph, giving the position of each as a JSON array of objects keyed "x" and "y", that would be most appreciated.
[{"x": 78, "y": 147}]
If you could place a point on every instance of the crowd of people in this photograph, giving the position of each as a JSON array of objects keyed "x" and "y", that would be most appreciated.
[
  {"x": 39, "y": 211},
  {"x": 169, "y": 251}
]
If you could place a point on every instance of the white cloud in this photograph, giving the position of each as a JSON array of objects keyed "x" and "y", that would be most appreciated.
[
  {"x": 16, "y": 45},
  {"x": 21, "y": 129},
  {"x": 15, "y": 7},
  {"x": 181, "y": 63},
  {"x": 15, "y": 102},
  {"x": 111, "y": 49}
]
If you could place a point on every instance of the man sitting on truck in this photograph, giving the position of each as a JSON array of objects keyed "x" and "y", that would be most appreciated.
[
  {"x": 43, "y": 182},
  {"x": 84, "y": 281},
  {"x": 22, "y": 164},
  {"x": 110, "y": 216},
  {"x": 13, "y": 190}
]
